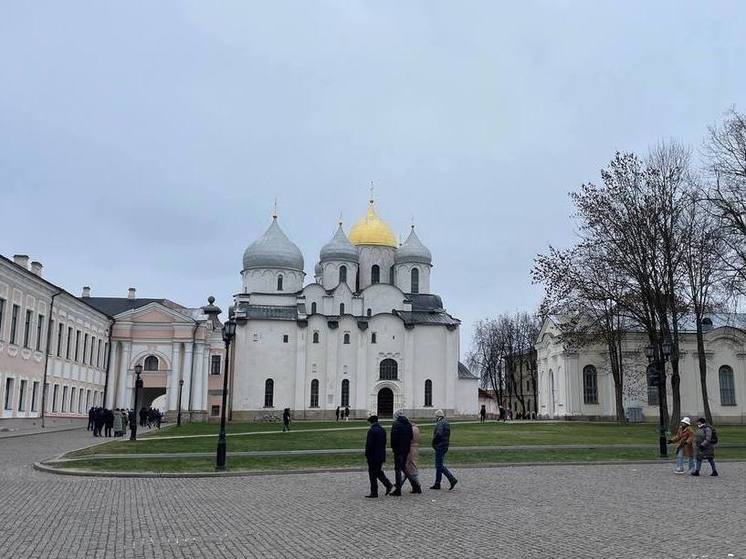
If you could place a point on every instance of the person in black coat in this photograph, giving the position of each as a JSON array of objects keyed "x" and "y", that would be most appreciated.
[
  {"x": 98, "y": 422},
  {"x": 108, "y": 422},
  {"x": 91, "y": 413},
  {"x": 401, "y": 441},
  {"x": 286, "y": 420},
  {"x": 375, "y": 454}
]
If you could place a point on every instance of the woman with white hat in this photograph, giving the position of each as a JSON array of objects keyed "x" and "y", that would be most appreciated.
[{"x": 684, "y": 439}]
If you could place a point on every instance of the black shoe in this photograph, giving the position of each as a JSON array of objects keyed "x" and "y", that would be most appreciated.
[
  {"x": 416, "y": 489},
  {"x": 389, "y": 488},
  {"x": 371, "y": 496},
  {"x": 395, "y": 493},
  {"x": 714, "y": 474},
  {"x": 694, "y": 474},
  {"x": 453, "y": 484},
  {"x": 436, "y": 486}
]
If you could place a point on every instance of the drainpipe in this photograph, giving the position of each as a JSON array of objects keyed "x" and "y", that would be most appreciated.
[
  {"x": 46, "y": 357},
  {"x": 108, "y": 362}
]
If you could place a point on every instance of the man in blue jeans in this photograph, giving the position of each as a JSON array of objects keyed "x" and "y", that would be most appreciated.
[{"x": 441, "y": 439}]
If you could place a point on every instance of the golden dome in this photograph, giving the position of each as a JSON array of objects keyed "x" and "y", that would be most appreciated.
[{"x": 371, "y": 230}]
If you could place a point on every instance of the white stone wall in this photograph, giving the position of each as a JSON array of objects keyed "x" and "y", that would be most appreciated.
[
  {"x": 331, "y": 274},
  {"x": 378, "y": 255},
  {"x": 265, "y": 280},
  {"x": 403, "y": 277}
]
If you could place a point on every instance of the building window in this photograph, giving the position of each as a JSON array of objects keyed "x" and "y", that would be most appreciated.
[
  {"x": 8, "y": 394},
  {"x": 391, "y": 275},
  {"x": 342, "y": 274},
  {"x": 27, "y": 329},
  {"x": 314, "y": 393},
  {"x": 22, "y": 396},
  {"x": 727, "y": 386},
  {"x": 315, "y": 337},
  {"x": 69, "y": 342},
  {"x": 35, "y": 396},
  {"x": 415, "y": 280},
  {"x": 652, "y": 392},
  {"x": 2, "y": 315},
  {"x": 98, "y": 353},
  {"x": 375, "y": 274},
  {"x": 370, "y": 312},
  {"x": 285, "y": 338},
  {"x": 346, "y": 338},
  {"x": 72, "y": 400},
  {"x": 85, "y": 347},
  {"x": 91, "y": 361},
  {"x": 64, "y": 399},
  {"x": 60, "y": 329},
  {"x": 14, "y": 323},
  {"x": 151, "y": 363},
  {"x": 39, "y": 326},
  {"x": 590, "y": 385},
  {"x": 215, "y": 411},
  {"x": 389, "y": 369},
  {"x": 428, "y": 393},
  {"x": 88, "y": 399},
  {"x": 269, "y": 392},
  {"x": 77, "y": 345},
  {"x": 55, "y": 394},
  {"x": 313, "y": 308},
  {"x": 341, "y": 309},
  {"x": 345, "y": 400},
  {"x": 215, "y": 365},
  {"x": 279, "y": 282},
  {"x": 373, "y": 338}
]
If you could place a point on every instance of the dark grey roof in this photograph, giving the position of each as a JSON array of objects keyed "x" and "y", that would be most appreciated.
[
  {"x": 266, "y": 312},
  {"x": 465, "y": 373},
  {"x": 425, "y": 302},
  {"x": 117, "y": 305},
  {"x": 411, "y": 318}
]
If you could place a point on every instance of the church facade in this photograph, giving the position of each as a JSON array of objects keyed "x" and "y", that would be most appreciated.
[{"x": 367, "y": 333}]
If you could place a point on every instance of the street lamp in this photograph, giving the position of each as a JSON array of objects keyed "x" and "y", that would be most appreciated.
[
  {"x": 138, "y": 389},
  {"x": 229, "y": 330},
  {"x": 655, "y": 374},
  {"x": 178, "y": 415}
]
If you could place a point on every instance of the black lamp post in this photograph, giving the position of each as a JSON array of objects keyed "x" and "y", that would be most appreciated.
[
  {"x": 138, "y": 389},
  {"x": 178, "y": 415},
  {"x": 656, "y": 378},
  {"x": 229, "y": 330}
]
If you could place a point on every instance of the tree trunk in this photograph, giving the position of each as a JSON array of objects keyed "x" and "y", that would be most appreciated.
[{"x": 703, "y": 371}]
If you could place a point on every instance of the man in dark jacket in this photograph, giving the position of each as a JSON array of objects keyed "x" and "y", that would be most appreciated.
[
  {"x": 401, "y": 441},
  {"x": 441, "y": 441},
  {"x": 704, "y": 445},
  {"x": 375, "y": 454},
  {"x": 108, "y": 422},
  {"x": 91, "y": 413}
]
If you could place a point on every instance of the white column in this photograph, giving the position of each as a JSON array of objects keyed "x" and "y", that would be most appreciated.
[
  {"x": 172, "y": 385},
  {"x": 205, "y": 379},
  {"x": 298, "y": 399},
  {"x": 198, "y": 378},
  {"x": 113, "y": 376},
  {"x": 122, "y": 397},
  {"x": 187, "y": 376}
]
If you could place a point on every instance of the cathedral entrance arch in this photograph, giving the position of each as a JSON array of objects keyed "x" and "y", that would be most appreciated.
[{"x": 385, "y": 402}]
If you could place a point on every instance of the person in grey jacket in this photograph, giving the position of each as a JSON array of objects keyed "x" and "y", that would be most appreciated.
[
  {"x": 704, "y": 447},
  {"x": 441, "y": 440}
]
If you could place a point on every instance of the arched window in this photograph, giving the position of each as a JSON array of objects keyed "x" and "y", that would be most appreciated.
[
  {"x": 727, "y": 386},
  {"x": 428, "y": 393},
  {"x": 342, "y": 274},
  {"x": 375, "y": 274},
  {"x": 590, "y": 385},
  {"x": 415, "y": 280},
  {"x": 313, "y": 308},
  {"x": 345, "y": 392},
  {"x": 373, "y": 338},
  {"x": 279, "y": 282},
  {"x": 269, "y": 393},
  {"x": 391, "y": 276},
  {"x": 315, "y": 337},
  {"x": 314, "y": 393},
  {"x": 346, "y": 339},
  {"x": 151, "y": 363},
  {"x": 341, "y": 309},
  {"x": 389, "y": 369},
  {"x": 370, "y": 312}
]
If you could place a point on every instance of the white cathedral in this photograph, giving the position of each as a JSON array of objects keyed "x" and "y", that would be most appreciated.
[{"x": 367, "y": 333}]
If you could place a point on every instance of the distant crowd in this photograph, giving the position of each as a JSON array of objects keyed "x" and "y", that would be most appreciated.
[{"x": 107, "y": 423}]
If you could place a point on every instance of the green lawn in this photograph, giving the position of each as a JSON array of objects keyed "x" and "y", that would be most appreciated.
[{"x": 308, "y": 435}]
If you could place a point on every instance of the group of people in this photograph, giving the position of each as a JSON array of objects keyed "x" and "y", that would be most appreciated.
[
  {"x": 343, "y": 413},
  {"x": 405, "y": 441},
  {"x": 106, "y": 423},
  {"x": 695, "y": 446}
]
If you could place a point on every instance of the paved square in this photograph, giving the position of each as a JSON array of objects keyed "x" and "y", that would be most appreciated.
[{"x": 534, "y": 512}]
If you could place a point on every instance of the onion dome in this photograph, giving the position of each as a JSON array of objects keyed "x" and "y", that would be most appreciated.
[
  {"x": 339, "y": 248},
  {"x": 371, "y": 230},
  {"x": 413, "y": 251},
  {"x": 273, "y": 250}
]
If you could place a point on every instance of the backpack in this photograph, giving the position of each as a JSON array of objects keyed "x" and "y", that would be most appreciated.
[{"x": 713, "y": 436}]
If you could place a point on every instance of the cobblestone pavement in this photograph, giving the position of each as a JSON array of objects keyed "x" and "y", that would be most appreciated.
[{"x": 533, "y": 512}]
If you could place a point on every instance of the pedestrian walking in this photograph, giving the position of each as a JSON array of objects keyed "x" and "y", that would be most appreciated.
[
  {"x": 118, "y": 423},
  {"x": 684, "y": 441},
  {"x": 337, "y": 413},
  {"x": 705, "y": 440},
  {"x": 482, "y": 414},
  {"x": 347, "y": 413},
  {"x": 375, "y": 454},
  {"x": 441, "y": 441},
  {"x": 412, "y": 458},
  {"x": 108, "y": 422},
  {"x": 401, "y": 441},
  {"x": 286, "y": 420},
  {"x": 98, "y": 422},
  {"x": 91, "y": 414}
]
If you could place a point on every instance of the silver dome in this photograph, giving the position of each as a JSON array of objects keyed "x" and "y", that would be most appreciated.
[
  {"x": 413, "y": 251},
  {"x": 339, "y": 248},
  {"x": 273, "y": 250}
]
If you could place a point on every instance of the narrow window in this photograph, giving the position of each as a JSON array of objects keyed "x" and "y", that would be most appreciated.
[
  {"x": 285, "y": 339},
  {"x": 269, "y": 392},
  {"x": 341, "y": 309},
  {"x": 590, "y": 385},
  {"x": 315, "y": 337},
  {"x": 373, "y": 338},
  {"x": 151, "y": 363},
  {"x": 77, "y": 345},
  {"x": 345, "y": 400},
  {"x": 346, "y": 339},
  {"x": 69, "y": 342},
  {"x": 428, "y": 393},
  {"x": 389, "y": 369},
  {"x": 64, "y": 399},
  {"x": 88, "y": 400},
  {"x": 279, "y": 282},
  {"x": 8, "y": 394},
  {"x": 98, "y": 354},
  {"x": 91, "y": 361},
  {"x": 313, "y": 308},
  {"x": 652, "y": 392},
  {"x": 35, "y": 396},
  {"x": 72, "y": 400},
  {"x": 55, "y": 394},
  {"x": 370, "y": 312},
  {"x": 727, "y": 386},
  {"x": 27, "y": 329},
  {"x": 14, "y": 323},
  {"x": 343, "y": 274},
  {"x": 2, "y": 315},
  {"x": 391, "y": 275},
  {"x": 85, "y": 347},
  {"x": 215, "y": 365},
  {"x": 215, "y": 411},
  {"x": 39, "y": 326},
  {"x": 22, "y": 396},
  {"x": 375, "y": 274},
  {"x": 314, "y": 393},
  {"x": 415, "y": 280},
  {"x": 60, "y": 329}
]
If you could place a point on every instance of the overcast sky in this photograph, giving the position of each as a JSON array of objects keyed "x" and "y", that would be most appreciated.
[{"x": 143, "y": 143}]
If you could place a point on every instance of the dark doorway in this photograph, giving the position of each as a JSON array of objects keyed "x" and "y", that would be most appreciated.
[{"x": 385, "y": 402}]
